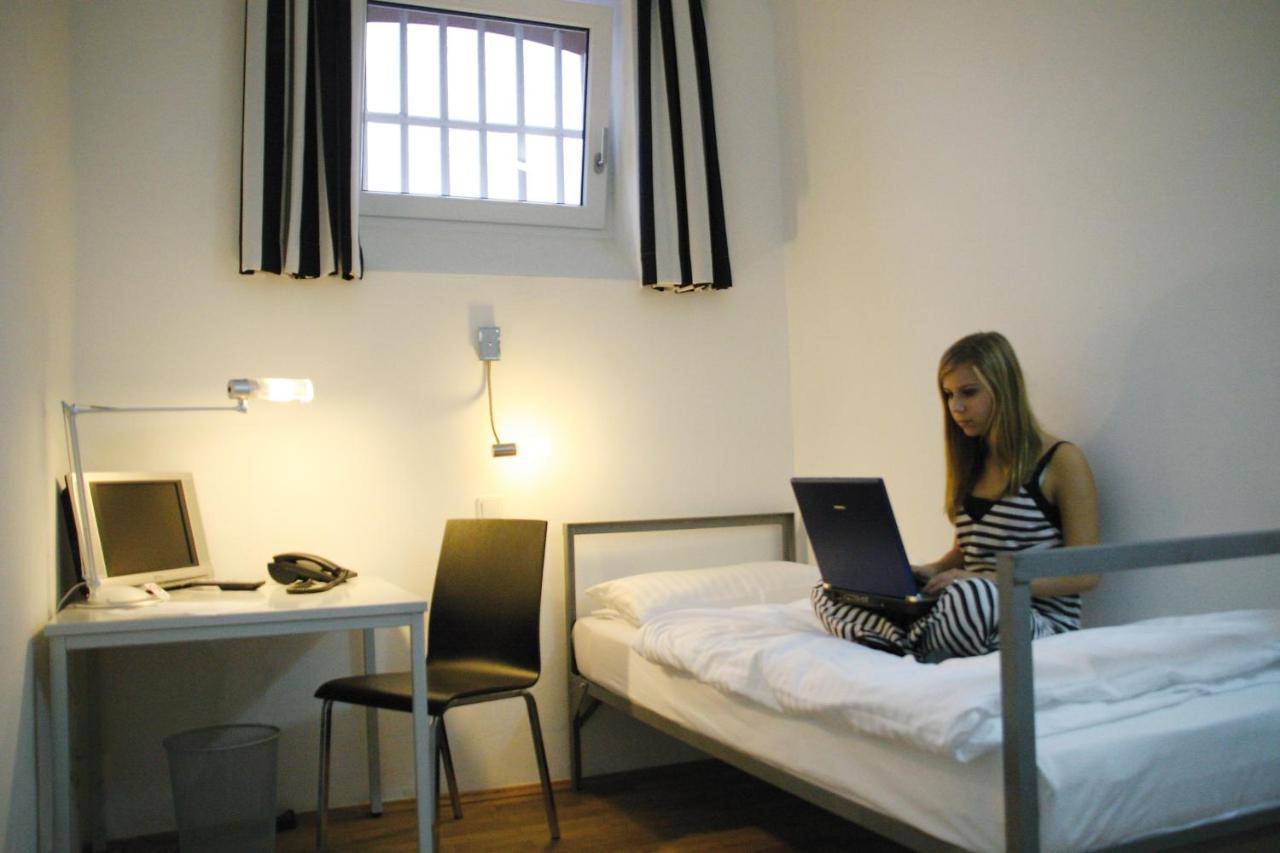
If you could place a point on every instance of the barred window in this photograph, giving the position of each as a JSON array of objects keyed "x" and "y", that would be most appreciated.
[{"x": 475, "y": 115}]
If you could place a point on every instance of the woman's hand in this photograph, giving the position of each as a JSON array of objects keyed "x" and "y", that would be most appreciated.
[
  {"x": 949, "y": 562},
  {"x": 944, "y": 579}
]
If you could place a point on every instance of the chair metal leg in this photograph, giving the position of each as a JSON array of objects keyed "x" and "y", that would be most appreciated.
[
  {"x": 548, "y": 800},
  {"x": 433, "y": 728},
  {"x": 322, "y": 798},
  {"x": 442, "y": 746}
]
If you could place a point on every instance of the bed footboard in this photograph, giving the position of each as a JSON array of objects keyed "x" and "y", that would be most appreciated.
[{"x": 1016, "y": 572}]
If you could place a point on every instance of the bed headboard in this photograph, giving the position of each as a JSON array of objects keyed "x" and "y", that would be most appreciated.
[{"x": 760, "y": 536}]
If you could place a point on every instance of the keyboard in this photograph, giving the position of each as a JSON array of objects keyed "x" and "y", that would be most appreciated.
[{"x": 224, "y": 585}]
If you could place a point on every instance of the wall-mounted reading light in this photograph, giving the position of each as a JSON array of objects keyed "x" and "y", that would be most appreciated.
[
  {"x": 489, "y": 345},
  {"x": 240, "y": 390}
]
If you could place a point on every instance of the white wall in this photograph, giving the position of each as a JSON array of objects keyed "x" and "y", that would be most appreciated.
[
  {"x": 35, "y": 326},
  {"x": 646, "y": 404},
  {"x": 1099, "y": 181}
]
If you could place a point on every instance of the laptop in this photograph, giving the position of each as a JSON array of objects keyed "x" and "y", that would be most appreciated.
[{"x": 856, "y": 542}]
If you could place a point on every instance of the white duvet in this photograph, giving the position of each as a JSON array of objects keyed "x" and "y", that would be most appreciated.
[{"x": 778, "y": 655}]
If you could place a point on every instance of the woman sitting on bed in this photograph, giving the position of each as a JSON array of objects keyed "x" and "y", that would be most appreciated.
[{"x": 1010, "y": 486}]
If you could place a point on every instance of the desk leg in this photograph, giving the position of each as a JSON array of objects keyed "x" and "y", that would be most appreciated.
[
  {"x": 424, "y": 748},
  {"x": 95, "y": 799},
  {"x": 61, "y": 722},
  {"x": 371, "y": 729}
]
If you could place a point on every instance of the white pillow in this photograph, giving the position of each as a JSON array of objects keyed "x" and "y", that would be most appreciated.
[{"x": 639, "y": 598}]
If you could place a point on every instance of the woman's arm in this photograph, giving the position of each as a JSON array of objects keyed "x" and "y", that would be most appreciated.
[{"x": 1068, "y": 484}]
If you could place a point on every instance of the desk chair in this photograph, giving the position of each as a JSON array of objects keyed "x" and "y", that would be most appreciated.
[{"x": 482, "y": 644}]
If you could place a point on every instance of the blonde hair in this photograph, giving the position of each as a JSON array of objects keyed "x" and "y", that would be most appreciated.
[{"x": 1014, "y": 435}]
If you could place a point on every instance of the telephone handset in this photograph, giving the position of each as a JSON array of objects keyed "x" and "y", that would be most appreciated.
[{"x": 307, "y": 572}]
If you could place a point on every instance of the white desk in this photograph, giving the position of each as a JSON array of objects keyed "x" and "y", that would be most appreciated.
[{"x": 362, "y": 604}]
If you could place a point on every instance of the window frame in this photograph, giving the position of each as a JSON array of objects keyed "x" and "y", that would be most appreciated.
[{"x": 597, "y": 20}]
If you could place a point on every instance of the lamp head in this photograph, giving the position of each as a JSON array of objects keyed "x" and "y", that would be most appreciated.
[
  {"x": 507, "y": 448},
  {"x": 276, "y": 390}
]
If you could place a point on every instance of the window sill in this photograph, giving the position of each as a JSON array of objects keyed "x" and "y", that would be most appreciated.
[
  {"x": 436, "y": 209},
  {"x": 396, "y": 244}
]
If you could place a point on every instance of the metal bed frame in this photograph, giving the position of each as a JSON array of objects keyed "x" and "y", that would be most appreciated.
[{"x": 1015, "y": 574}]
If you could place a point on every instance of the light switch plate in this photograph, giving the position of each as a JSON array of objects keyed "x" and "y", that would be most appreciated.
[{"x": 488, "y": 507}]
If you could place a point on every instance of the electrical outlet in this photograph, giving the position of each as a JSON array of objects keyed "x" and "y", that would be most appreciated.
[
  {"x": 490, "y": 343},
  {"x": 488, "y": 507}
]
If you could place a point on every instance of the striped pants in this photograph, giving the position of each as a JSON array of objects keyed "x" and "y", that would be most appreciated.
[{"x": 964, "y": 622}]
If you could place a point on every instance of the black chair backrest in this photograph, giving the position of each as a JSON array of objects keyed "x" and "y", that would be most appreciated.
[{"x": 488, "y": 593}]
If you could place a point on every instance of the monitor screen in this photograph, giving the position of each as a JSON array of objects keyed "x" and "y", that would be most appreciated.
[
  {"x": 142, "y": 526},
  {"x": 145, "y": 527}
]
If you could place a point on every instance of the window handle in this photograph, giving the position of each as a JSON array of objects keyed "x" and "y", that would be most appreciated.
[{"x": 601, "y": 158}]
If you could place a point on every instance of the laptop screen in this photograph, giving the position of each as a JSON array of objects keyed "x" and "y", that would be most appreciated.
[{"x": 854, "y": 535}]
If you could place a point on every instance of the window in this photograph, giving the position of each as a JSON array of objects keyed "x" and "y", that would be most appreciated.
[{"x": 474, "y": 113}]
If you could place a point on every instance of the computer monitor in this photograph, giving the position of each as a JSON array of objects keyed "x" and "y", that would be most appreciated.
[{"x": 145, "y": 527}]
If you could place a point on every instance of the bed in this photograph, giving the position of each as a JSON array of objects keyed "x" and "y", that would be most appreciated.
[{"x": 1141, "y": 744}]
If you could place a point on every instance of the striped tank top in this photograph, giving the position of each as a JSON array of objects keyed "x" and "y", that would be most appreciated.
[{"x": 1021, "y": 522}]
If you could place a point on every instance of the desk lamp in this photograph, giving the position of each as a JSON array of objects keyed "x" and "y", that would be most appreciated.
[{"x": 240, "y": 390}]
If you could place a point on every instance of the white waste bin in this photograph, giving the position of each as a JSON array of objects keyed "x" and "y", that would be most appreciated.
[{"x": 224, "y": 788}]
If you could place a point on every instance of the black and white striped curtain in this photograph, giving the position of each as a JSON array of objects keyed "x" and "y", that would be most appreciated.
[
  {"x": 300, "y": 165},
  {"x": 683, "y": 241}
]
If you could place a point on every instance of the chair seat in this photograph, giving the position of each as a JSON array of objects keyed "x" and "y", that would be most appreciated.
[{"x": 447, "y": 682}]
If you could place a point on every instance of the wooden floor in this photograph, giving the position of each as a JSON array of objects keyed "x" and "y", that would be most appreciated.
[
  {"x": 706, "y": 806},
  {"x": 703, "y": 807}
]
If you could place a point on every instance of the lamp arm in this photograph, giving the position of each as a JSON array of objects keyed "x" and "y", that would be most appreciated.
[
  {"x": 76, "y": 409},
  {"x": 84, "y": 530}
]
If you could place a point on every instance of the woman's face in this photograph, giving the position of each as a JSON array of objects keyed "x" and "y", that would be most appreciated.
[{"x": 968, "y": 400}]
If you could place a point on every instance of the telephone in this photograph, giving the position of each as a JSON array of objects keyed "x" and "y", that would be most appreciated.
[{"x": 307, "y": 572}]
